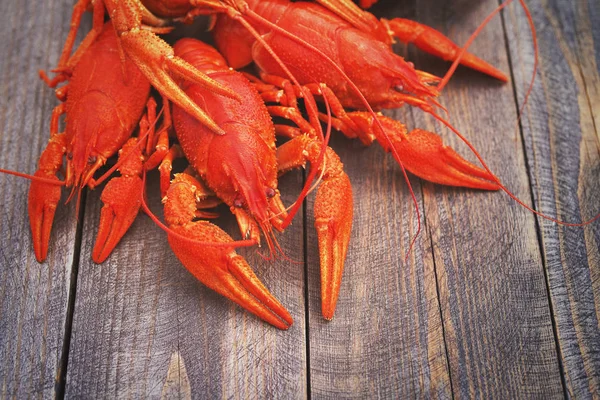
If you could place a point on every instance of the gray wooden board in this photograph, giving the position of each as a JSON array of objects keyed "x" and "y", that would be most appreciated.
[
  {"x": 386, "y": 338},
  {"x": 492, "y": 292},
  {"x": 560, "y": 127},
  {"x": 469, "y": 315},
  {"x": 491, "y": 280},
  {"x": 33, "y": 296}
]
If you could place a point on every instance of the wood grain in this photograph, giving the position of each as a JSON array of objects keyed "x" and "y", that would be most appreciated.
[
  {"x": 491, "y": 280},
  {"x": 33, "y": 296},
  {"x": 560, "y": 128},
  {"x": 491, "y": 303},
  {"x": 387, "y": 339}
]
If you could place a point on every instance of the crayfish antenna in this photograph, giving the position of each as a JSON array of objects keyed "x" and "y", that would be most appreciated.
[
  {"x": 536, "y": 58},
  {"x": 504, "y": 188},
  {"x": 35, "y": 178},
  {"x": 527, "y": 96}
]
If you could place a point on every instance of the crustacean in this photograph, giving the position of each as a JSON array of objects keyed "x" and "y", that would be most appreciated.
[
  {"x": 422, "y": 36},
  {"x": 414, "y": 148},
  {"x": 241, "y": 166},
  {"x": 137, "y": 23},
  {"x": 103, "y": 102}
]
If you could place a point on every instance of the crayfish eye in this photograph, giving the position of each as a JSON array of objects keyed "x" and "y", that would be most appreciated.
[
  {"x": 69, "y": 156},
  {"x": 270, "y": 193},
  {"x": 92, "y": 159},
  {"x": 238, "y": 203}
]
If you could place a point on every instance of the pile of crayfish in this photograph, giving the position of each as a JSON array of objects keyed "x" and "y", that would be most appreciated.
[{"x": 326, "y": 64}]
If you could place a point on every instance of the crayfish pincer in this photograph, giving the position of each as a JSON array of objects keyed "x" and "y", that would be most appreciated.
[
  {"x": 218, "y": 267},
  {"x": 367, "y": 74}
]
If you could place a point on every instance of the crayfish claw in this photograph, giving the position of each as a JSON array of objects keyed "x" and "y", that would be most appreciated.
[
  {"x": 43, "y": 199},
  {"x": 436, "y": 43},
  {"x": 267, "y": 307},
  {"x": 424, "y": 154},
  {"x": 122, "y": 202},
  {"x": 332, "y": 210},
  {"x": 227, "y": 273},
  {"x": 333, "y": 220},
  {"x": 209, "y": 254}
]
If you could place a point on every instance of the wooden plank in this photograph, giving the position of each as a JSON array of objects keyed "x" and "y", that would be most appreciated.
[
  {"x": 386, "y": 340},
  {"x": 144, "y": 327},
  {"x": 560, "y": 127},
  {"x": 33, "y": 296},
  {"x": 351, "y": 366},
  {"x": 491, "y": 281},
  {"x": 388, "y": 337}
]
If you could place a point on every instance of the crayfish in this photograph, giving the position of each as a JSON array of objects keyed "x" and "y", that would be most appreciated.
[
  {"x": 97, "y": 126},
  {"x": 333, "y": 52}
]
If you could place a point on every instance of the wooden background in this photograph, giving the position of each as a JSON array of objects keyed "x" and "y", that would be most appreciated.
[{"x": 492, "y": 303}]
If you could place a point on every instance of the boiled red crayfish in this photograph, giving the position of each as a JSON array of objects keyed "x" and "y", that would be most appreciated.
[
  {"x": 415, "y": 149},
  {"x": 241, "y": 168},
  {"x": 136, "y": 29},
  {"x": 104, "y": 101},
  {"x": 247, "y": 183},
  {"x": 136, "y": 23}
]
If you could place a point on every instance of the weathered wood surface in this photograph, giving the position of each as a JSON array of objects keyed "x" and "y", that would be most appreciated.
[
  {"x": 491, "y": 303},
  {"x": 33, "y": 297},
  {"x": 562, "y": 137}
]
